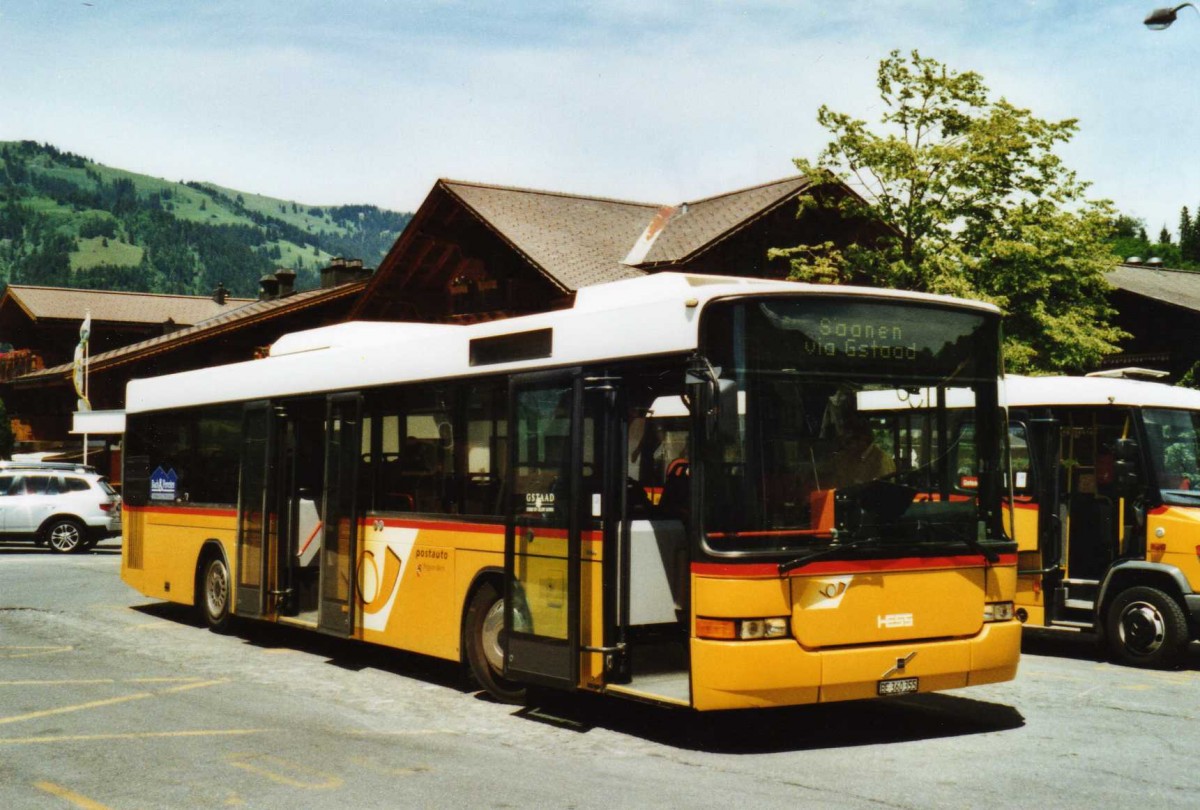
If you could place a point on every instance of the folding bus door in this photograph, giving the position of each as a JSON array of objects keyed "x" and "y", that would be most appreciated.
[
  {"x": 542, "y": 542},
  {"x": 339, "y": 544},
  {"x": 257, "y": 522}
]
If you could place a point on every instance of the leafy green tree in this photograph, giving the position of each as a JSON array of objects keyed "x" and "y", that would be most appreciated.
[
  {"x": 974, "y": 202},
  {"x": 98, "y": 226},
  {"x": 1129, "y": 238}
]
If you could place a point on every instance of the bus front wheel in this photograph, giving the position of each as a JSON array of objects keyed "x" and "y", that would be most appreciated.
[
  {"x": 1147, "y": 628},
  {"x": 484, "y": 639},
  {"x": 213, "y": 596}
]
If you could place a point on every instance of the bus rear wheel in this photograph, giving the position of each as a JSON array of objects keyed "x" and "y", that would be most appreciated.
[
  {"x": 1147, "y": 628},
  {"x": 483, "y": 633},
  {"x": 212, "y": 597}
]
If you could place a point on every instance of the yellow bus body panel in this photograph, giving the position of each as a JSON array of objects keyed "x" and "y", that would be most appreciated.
[
  {"x": 848, "y": 633},
  {"x": 167, "y": 543},
  {"x": 1179, "y": 543}
]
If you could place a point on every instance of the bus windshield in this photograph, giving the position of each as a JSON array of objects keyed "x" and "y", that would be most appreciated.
[
  {"x": 857, "y": 419},
  {"x": 1174, "y": 438}
]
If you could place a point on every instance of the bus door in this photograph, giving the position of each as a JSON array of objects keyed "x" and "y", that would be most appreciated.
[
  {"x": 1093, "y": 514},
  {"x": 258, "y": 524},
  {"x": 1044, "y": 441},
  {"x": 545, "y": 514},
  {"x": 300, "y": 474},
  {"x": 339, "y": 538}
]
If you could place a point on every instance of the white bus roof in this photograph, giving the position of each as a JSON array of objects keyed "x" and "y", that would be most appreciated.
[
  {"x": 656, "y": 314},
  {"x": 1032, "y": 391}
]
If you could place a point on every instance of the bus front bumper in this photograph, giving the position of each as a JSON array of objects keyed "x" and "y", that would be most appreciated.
[{"x": 747, "y": 674}]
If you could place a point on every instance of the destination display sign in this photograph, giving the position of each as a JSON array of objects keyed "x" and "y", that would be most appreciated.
[
  {"x": 855, "y": 338},
  {"x": 828, "y": 335}
]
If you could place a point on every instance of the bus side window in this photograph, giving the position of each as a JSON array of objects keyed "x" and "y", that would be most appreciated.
[
  {"x": 483, "y": 459},
  {"x": 1018, "y": 464}
]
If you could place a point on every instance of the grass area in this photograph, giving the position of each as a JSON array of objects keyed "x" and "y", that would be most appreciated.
[
  {"x": 93, "y": 252},
  {"x": 292, "y": 255}
]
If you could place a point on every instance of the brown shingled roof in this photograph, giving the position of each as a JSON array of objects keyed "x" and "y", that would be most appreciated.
[
  {"x": 697, "y": 225},
  {"x": 237, "y": 318},
  {"x": 576, "y": 241},
  {"x": 58, "y": 303},
  {"x": 1178, "y": 287}
]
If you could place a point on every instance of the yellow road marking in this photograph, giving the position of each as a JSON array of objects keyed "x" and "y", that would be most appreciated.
[
  {"x": 30, "y": 652},
  {"x": 292, "y": 774},
  {"x": 196, "y": 685},
  {"x": 95, "y": 704},
  {"x": 71, "y": 796},
  {"x": 133, "y": 735},
  {"x": 162, "y": 680}
]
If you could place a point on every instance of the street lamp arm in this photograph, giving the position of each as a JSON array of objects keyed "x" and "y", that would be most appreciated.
[{"x": 1162, "y": 18}]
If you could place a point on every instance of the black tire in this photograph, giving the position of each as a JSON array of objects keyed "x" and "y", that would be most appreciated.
[
  {"x": 483, "y": 631},
  {"x": 65, "y": 536},
  {"x": 212, "y": 597},
  {"x": 1147, "y": 628}
]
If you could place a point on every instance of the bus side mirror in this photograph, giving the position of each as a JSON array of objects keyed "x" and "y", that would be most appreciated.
[
  {"x": 727, "y": 409},
  {"x": 1125, "y": 467}
]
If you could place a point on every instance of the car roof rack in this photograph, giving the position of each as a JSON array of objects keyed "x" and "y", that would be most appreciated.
[{"x": 69, "y": 466}]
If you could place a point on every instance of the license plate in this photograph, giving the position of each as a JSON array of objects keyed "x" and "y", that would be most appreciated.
[{"x": 899, "y": 686}]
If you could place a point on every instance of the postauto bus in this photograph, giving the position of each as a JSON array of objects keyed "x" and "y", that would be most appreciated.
[
  {"x": 1106, "y": 486},
  {"x": 505, "y": 495}
]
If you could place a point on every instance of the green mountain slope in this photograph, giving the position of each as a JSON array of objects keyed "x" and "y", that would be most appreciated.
[{"x": 67, "y": 221}]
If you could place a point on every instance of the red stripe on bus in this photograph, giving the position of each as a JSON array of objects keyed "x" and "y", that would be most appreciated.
[
  {"x": 211, "y": 511},
  {"x": 477, "y": 528},
  {"x": 829, "y": 567},
  {"x": 1022, "y": 505},
  {"x": 435, "y": 525}
]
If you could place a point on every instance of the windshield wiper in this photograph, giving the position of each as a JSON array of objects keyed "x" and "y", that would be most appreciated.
[
  {"x": 805, "y": 559},
  {"x": 971, "y": 542}
]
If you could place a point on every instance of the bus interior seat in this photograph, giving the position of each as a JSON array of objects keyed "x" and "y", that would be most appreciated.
[{"x": 674, "y": 501}]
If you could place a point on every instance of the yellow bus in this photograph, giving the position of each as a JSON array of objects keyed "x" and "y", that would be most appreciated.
[
  {"x": 1107, "y": 519},
  {"x": 668, "y": 492}
]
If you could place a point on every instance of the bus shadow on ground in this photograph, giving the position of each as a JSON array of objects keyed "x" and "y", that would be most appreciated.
[
  {"x": 750, "y": 731},
  {"x": 1085, "y": 647},
  {"x": 343, "y": 653},
  {"x": 777, "y": 730}
]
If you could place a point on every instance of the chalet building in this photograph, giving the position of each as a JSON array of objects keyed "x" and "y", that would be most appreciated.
[
  {"x": 477, "y": 252},
  {"x": 1160, "y": 308},
  {"x": 42, "y": 402},
  {"x": 41, "y": 324}
]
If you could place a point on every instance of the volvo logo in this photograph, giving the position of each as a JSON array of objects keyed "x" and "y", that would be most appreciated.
[{"x": 901, "y": 663}]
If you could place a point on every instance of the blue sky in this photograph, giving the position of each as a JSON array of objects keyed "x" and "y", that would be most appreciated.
[{"x": 652, "y": 100}]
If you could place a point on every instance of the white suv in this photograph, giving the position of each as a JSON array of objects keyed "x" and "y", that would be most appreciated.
[{"x": 66, "y": 507}]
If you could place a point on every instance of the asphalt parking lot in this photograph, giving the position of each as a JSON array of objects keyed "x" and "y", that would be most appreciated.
[{"x": 110, "y": 700}]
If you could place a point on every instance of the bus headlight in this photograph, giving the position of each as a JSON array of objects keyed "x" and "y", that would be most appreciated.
[
  {"x": 742, "y": 629},
  {"x": 997, "y": 611}
]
